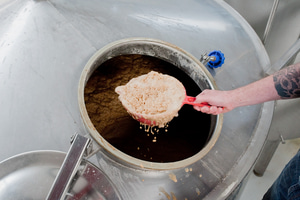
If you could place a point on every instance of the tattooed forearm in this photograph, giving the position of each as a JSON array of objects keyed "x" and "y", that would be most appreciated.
[{"x": 287, "y": 81}]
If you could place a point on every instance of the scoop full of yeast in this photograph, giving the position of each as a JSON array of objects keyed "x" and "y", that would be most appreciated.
[{"x": 153, "y": 99}]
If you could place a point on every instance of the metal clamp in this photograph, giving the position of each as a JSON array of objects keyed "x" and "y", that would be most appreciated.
[
  {"x": 205, "y": 58},
  {"x": 214, "y": 59}
]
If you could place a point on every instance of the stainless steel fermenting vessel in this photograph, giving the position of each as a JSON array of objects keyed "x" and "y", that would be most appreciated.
[{"x": 48, "y": 47}]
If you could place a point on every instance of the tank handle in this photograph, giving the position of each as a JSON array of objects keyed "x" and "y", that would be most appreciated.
[{"x": 78, "y": 149}]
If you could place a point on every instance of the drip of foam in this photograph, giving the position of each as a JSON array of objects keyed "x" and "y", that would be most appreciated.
[{"x": 154, "y": 130}]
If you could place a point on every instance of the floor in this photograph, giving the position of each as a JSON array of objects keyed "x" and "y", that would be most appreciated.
[{"x": 257, "y": 186}]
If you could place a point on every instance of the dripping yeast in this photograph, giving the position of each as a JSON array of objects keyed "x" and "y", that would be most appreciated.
[{"x": 153, "y": 130}]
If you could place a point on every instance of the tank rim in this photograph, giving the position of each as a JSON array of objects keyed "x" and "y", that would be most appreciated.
[{"x": 91, "y": 66}]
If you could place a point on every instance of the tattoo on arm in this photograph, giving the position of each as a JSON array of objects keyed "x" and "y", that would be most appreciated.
[{"x": 287, "y": 81}]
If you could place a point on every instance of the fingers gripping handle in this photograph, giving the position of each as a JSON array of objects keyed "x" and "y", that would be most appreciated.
[{"x": 191, "y": 101}]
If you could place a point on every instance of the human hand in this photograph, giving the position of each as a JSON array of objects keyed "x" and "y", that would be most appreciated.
[{"x": 219, "y": 101}]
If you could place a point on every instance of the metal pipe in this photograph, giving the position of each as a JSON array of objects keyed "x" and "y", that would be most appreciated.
[
  {"x": 270, "y": 21},
  {"x": 287, "y": 58}
]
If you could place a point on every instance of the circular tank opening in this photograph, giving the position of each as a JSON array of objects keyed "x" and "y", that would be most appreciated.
[
  {"x": 188, "y": 138},
  {"x": 186, "y": 134}
]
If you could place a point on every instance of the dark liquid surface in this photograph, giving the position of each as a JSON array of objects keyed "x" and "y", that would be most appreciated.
[{"x": 186, "y": 134}]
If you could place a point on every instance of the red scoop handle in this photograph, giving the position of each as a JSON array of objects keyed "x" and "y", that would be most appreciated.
[{"x": 191, "y": 101}]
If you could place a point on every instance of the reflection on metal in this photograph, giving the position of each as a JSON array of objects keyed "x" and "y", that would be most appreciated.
[
  {"x": 156, "y": 20},
  {"x": 31, "y": 174}
]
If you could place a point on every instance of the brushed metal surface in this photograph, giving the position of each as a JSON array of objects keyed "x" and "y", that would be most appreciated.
[
  {"x": 44, "y": 46},
  {"x": 30, "y": 175}
]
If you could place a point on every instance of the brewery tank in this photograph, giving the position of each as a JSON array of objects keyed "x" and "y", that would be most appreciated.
[{"x": 49, "y": 43}]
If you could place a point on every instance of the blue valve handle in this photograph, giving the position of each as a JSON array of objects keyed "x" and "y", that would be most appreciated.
[{"x": 219, "y": 61}]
